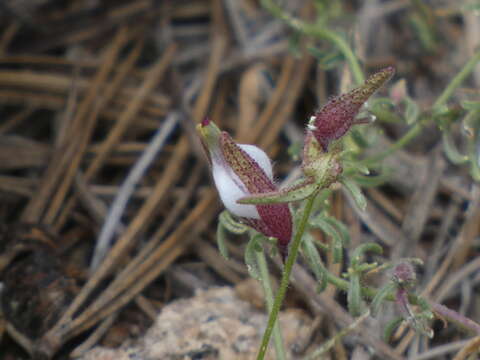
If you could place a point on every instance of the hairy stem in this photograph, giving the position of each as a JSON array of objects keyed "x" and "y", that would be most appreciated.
[
  {"x": 319, "y": 31},
  {"x": 457, "y": 80},
  {"x": 291, "y": 259},
  {"x": 411, "y": 134},
  {"x": 267, "y": 288}
]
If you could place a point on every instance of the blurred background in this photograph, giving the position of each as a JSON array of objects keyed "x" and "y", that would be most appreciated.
[{"x": 108, "y": 214}]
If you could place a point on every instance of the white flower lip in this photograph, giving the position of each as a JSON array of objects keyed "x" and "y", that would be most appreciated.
[{"x": 230, "y": 187}]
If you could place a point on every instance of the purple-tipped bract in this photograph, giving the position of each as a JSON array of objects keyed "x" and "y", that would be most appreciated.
[{"x": 334, "y": 119}]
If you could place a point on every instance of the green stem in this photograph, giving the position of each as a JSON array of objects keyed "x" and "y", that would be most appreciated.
[
  {"x": 416, "y": 129},
  {"x": 342, "y": 45},
  {"x": 404, "y": 140},
  {"x": 457, "y": 80},
  {"x": 267, "y": 288},
  {"x": 319, "y": 31},
  {"x": 291, "y": 259}
]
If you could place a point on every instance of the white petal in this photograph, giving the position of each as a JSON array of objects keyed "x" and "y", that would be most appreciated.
[
  {"x": 228, "y": 186},
  {"x": 260, "y": 157}
]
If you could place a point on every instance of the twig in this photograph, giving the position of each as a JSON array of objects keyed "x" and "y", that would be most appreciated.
[{"x": 128, "y": 187}]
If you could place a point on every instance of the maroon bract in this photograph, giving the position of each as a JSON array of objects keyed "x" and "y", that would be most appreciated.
[
  {"x": 334, "y": 119},
  {"x": 241, "y": 170}
]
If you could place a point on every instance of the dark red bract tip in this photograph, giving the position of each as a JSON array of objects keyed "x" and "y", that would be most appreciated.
[
  {"x": 336, "y": 117},
  {"x": 205, "y": 121}
]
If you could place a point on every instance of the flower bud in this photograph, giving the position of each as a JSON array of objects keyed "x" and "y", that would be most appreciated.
[
  {"x": 336, "y": 117},
  {"x": 404, "y": 274}
]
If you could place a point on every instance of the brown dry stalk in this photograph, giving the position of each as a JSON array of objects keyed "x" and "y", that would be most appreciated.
[{"x": 60, "y": 161}]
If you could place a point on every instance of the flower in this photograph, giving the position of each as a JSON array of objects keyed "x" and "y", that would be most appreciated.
[
  {"x": 322, "y": 167},
  {"x": 336, "y": 117},
  {"x": 404, "y": 274},
  {"x": 240, "y": 171}
]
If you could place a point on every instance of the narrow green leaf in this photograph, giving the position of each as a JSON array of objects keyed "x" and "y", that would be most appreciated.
[
  {"x": 221, "y": 240},
  {"x": 471, "y": 105},
  {"x": 356, "y": 193},
  {"x": 372, "y": 180},
  {"x": 420, "y": 324},
  {"x": 424, "y": 304},
  {"x": 451, "y": 151},
  {"x": 471, "y": 124},
  {"x": 322, "y": 200},
  {"x": 360, "y": 251},
  {"x": 337, "y": 252},
  {"x": 354, "y": 297},
  {"x": 440, "y": 111},
  {"x": 251, "y": 258},
  {"x": 355, "y": 166},
  {"x": 381, "y": 296},
  {"x": 294, "y": 44},
  {"x": 341, "y": 228},
  {"x": 359, "y": 139},
  {"x": 381, "y": 102},
  {"x": 314, "y": 260},
  {"x": 231, "y": 224},
  {"x": 295, "y": 150},
  {"x": 474, "y": 145},
  {"x": 366, "y": 267},
  {"x": 390, "y": 328},
  {"x": 326, "y": 59},
  {"x": 412, "y": 110},
  {"x": 321, "y": 222}
]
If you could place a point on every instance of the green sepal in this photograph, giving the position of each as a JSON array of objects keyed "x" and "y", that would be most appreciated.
[
  {"x": 381, "y": 296},
  {"x": 356, "y": 193},
  {"x": 321, "y": 168},
  {"x": 354, "y": 298}
]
